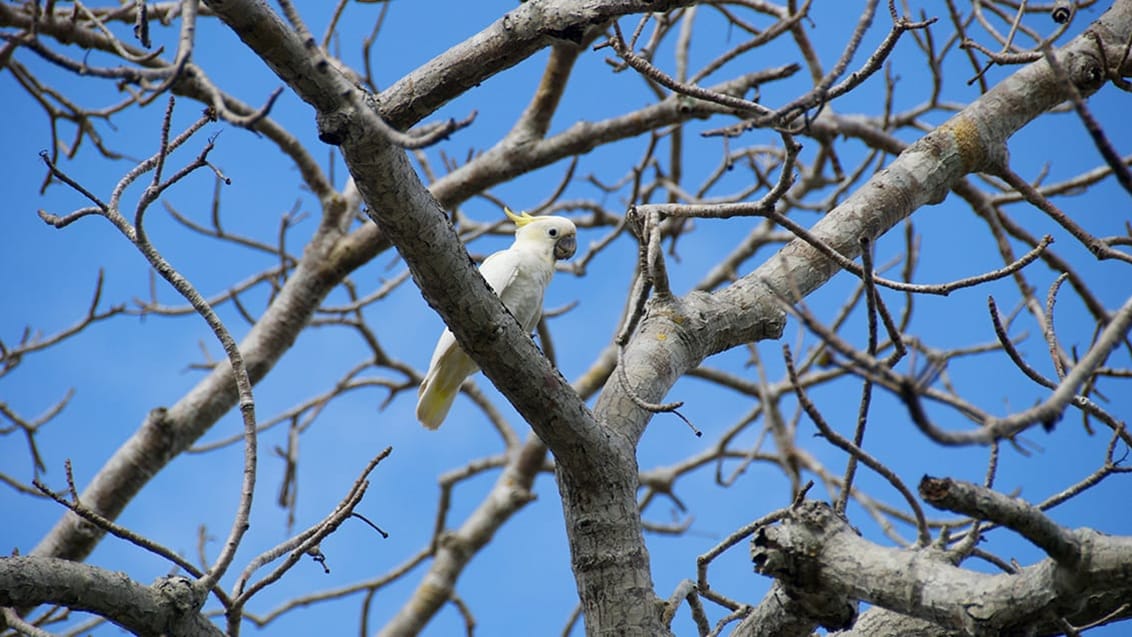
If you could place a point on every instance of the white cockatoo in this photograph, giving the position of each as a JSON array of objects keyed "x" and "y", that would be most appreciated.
[{"x": 519, "y": 276}]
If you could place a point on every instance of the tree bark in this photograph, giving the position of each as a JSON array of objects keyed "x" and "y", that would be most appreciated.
[
  {"x": 817, "y": 551},
  {"x": 169, "y": 607},
  {"x": 597, "y": 471},
  {"x": 595, "y": 452}
]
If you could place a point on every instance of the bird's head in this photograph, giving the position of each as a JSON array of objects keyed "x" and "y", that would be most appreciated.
[{"x": 557, "y": 231}]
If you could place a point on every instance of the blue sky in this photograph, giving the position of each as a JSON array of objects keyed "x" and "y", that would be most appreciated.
[{"x": 122, "y": 368}]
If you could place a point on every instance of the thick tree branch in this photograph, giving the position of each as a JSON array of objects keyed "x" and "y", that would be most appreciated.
[
  {"x": 674, "y": 338},
  {"x": 529, "y": 27},
  {"x": 817, "y": 551},
  {"x": 512, "y": 490},
  {"x": 414, "y": 222},
  {"x": 169, "y": 607},
  {"x": 595, "y": 451}
]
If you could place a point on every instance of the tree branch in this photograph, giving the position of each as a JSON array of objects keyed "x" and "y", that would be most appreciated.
[
  {"x": 169, "y": 607},
  {"x": 815, "y": 550}
]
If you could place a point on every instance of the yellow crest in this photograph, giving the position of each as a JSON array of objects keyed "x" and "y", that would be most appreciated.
[{"x": 521, "y": 219}]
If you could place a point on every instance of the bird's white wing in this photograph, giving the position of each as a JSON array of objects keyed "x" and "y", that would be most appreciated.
[
  {"x": 500, "y": 269},
  {"x": 450, "y": 365},
  {"x": 518, "y": 279},
  {"x": 518, "y": 276}
]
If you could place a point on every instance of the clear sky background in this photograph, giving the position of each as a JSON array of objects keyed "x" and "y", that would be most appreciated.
[{"x": 124, "y": 367}]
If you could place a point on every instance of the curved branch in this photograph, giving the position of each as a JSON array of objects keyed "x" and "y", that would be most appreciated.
[
  {"x": 168, "y": 607},
  {"x": 676, "y": 338},
  {"x": 404, "y": 210},
  {"x": 816, "y": 550}
]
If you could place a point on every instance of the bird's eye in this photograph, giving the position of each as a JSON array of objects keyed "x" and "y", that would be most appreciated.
[{"x": 553, "y": 232}]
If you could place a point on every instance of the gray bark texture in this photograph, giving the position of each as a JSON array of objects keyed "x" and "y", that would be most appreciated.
[
  {"x": 168, "y": 607},
  {"x": 823, "y": 569}
]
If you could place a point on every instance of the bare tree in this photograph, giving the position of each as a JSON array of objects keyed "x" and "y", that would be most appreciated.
[{"x": 750, "y": 163}]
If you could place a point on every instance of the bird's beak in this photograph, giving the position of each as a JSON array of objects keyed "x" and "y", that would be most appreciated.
[{"x": 565, "y": 247}]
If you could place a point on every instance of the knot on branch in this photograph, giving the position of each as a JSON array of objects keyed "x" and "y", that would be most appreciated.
[
  {"x": 573, "y": 33},
  {"x": 333, "y": 127},
  {"x": 1062, "y": 11},
  {"x": 458, "y": 545},
  {"x": 178, "y": 595},
  {"x": 787, "y": 551},
  {"x": 1085, "y": 71},
  {"x": 792, "y": 551}
]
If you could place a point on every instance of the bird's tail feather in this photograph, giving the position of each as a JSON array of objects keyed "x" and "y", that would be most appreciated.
[{"x": 433, "y": 405}]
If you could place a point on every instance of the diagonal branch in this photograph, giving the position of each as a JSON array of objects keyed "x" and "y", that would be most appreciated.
[
  {"x": 413, "y": 220},
  {"x": 816, "y": 550},
  {"x": 162, "y": 608}
]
